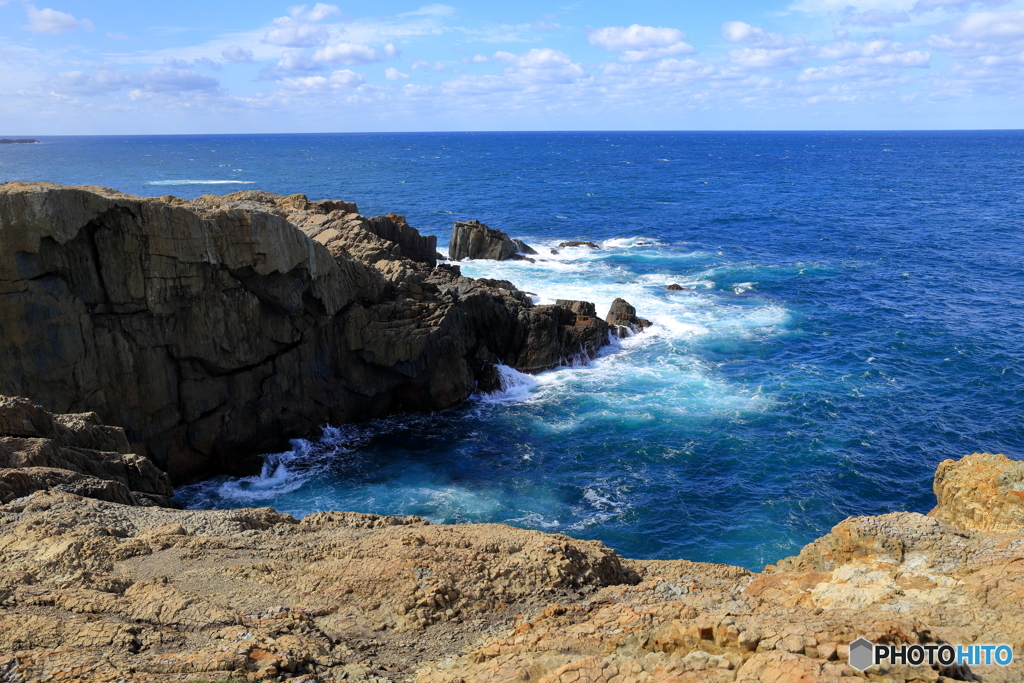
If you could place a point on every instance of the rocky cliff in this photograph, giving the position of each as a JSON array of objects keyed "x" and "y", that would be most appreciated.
[
  {"x": 215, "y": 329},
  {"x": 92, "y": 590}
]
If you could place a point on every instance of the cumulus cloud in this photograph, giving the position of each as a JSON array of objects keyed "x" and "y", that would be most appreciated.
[
  {"x": 208, "y": 63},
  {"x": 393, "y": 74},
  {"x": 301, "y": 28},
  {"x": 290, "y": 33},
  {"x": 768, "y": 59},
  {"x": 353, "y": 53},
  {"x": 641, "y": 43},
  {"x": 238, "y": 55},
  {"x": 540, "y": 65},
  {"x": 52, "y": 22},
  {"x": 983, "y": 34},
  {"x": 743, "y": 33},
  {"x": 342, "y": 79}
]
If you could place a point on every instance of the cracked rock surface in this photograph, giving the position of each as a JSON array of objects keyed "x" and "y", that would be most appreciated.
[
  {"x": 216, "y": 329},
  {"x": 92, "y": 590}
]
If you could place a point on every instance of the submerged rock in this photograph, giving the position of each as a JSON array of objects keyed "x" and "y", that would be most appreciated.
[
  {"x": 576, "y": 243},
  {"x": 474, "y": 240}
]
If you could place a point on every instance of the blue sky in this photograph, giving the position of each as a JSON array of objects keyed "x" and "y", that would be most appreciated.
[{"x": 71, "y": 67}]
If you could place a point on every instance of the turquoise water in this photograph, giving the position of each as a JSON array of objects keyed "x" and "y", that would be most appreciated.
[{"x": 856, "y": 316}]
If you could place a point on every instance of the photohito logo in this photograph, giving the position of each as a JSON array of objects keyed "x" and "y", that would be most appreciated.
[{"x": 864, "y": 653}]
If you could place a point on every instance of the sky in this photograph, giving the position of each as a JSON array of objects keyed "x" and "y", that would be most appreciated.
[{"x": 70, "y": 67}]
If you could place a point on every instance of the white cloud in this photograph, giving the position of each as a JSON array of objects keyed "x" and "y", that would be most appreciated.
[
  {"x": 290, "y": 33},
  {"x": 768, "y": 59},
  {"x": 106, "y": 79},
  {"x": 635, "y": 37},
  {"x": 992, "y": 26},
  {"x": 429, "y": 66},
  {"x": 319, "y": 12},
  {"x": 353, "y": 53},
  {"x": 743, "y": 33},
  {"x": 922, "y": 6},
  {"x": 208, "y": 63},
  {"x": 300, "y": 27},
  {"x": 238, "y": 55},
  {"x": 641, "y": 43},
  {"x": 540, "y": 65},
  {"x": 342, "y": 79},
  {"x": 53, "y": 22},
  {"x": 393, "y": 74}
]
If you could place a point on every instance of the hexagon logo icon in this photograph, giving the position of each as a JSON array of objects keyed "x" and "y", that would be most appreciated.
[{"x": 861, "y": 654}]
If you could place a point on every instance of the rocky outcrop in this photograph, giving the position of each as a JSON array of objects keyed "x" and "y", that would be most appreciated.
[
  {"x": 981, "y": 491},
  {"x": 216, "y": 329},
  {"x": 474, "y": 240},
  {"x": 75, "y": 454},
  {"x": 622, "y": 319},
  {"x": 113, "y": 593},
  {"x": 577, "y": 243}
]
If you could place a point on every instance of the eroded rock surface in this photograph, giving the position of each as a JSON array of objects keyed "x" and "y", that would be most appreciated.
[
  {"x": 216, "y": 329},
  {"x": 623, "y": 319},
  {"x": 95, "y": 591},
  {"x": 981, "y": 491},
  {"x": 75, "y": 454},
  {"x": 474, "y": 240}
]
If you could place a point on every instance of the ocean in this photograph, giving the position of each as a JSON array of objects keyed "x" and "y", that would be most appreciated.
[{"x": 853, "y": 314}]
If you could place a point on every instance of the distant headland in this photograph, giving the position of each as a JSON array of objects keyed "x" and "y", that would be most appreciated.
[{"x": 19, "y": 141}]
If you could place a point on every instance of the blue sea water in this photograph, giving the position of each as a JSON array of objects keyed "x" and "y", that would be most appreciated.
[{"x": 856, "y": 316}]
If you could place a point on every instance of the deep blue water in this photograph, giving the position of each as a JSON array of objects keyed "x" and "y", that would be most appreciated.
[{"x": 857, "y": 316}]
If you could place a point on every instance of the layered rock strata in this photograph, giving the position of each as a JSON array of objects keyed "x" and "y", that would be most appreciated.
[
  {"x": 216, "y": 329},
  {"x": 73, "y": 454},
  {"x": 95, "y": 591}
]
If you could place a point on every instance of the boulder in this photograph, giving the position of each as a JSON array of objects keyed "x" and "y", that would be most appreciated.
[
  {"x": 474, "y": 240},
  {"x": 677, "y": 288},
  {"x": 623, "y": 320}
]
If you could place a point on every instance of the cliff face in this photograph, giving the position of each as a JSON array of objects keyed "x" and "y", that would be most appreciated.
[
  {"x": 95, "y": 591},
  {"x": 215, "y": 330}
]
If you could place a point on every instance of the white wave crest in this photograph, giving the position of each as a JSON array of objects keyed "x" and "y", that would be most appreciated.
[{"x": 515, "y": 386}]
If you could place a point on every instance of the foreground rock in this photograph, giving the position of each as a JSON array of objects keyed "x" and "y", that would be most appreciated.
[
  {"x": 73, "y": 454},
  {"x": 216, "y": 329},
  {"x": 112, "y": 593},
  {"x": 474, "y": 240}
]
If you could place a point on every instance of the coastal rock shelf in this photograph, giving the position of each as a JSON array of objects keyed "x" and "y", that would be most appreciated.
[
  {"x": 216, "y": 329},
  {"x": 117, "y": 593}
]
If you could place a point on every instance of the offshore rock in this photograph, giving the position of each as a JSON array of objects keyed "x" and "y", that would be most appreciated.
[
  {"x": 577, "y": 243},
  {"x": 216, "y": 329},
  {"x": 113, "y": 593},
  {"x": 474, "y": 240},
  {"x": 622, "y": 319},
  {"x": 75, "y": 454}
]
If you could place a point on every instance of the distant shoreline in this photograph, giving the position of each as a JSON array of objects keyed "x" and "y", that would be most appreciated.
[{"x": 20, "y": 141}]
